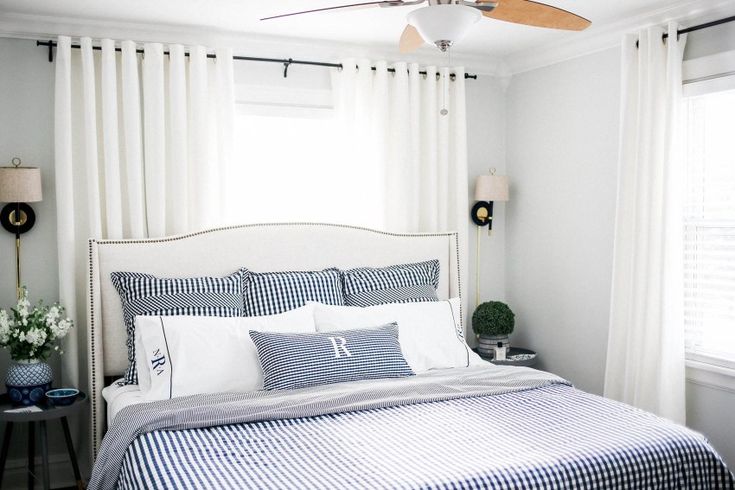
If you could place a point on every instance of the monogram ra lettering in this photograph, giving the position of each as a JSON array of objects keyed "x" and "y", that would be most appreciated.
[{"x": 158, "y": 362}]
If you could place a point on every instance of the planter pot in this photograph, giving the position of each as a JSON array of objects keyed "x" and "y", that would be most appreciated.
[
  {"x": 486, "y": 344},
  {"x": 28, "y": 381}
]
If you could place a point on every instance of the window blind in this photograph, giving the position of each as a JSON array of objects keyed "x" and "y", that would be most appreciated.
[{"x": 709, "y": 226}]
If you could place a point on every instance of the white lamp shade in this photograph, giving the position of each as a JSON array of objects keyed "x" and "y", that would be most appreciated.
[
  {"x": 491, "y": 188},
  {"x": 443, "y": 22},
  {"x": 20, "y": 184}
]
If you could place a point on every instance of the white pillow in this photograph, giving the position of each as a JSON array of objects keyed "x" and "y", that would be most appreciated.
[
  {"x": 428, "y": 331},
  {"x": 187, "y": 355}
]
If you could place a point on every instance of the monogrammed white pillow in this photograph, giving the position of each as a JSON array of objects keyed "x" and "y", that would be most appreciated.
[
  {"x": 188, "y": 355},
  {"x": 429, "y": 332}
]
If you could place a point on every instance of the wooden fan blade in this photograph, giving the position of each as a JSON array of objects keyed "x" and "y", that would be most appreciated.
[
  {"x": 411, "y": 40},
  {"x": 535, "y": 14},
  {"x": 384, "y": 3}
]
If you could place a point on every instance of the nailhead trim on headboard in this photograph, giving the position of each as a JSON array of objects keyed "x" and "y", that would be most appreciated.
[
  {"x": 92, "y": 352},
  {"x": 93, "y": 347},
  {"x": 459, "y": 281}
]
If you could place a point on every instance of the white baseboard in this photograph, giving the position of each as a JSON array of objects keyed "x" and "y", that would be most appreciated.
[{"x": 60, "y": 472}]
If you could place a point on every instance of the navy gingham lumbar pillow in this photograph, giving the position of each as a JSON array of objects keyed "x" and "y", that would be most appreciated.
[
  {"x": 291, "y": 361},
  {"x": 405, "y": 283},
  {"x": 144, "y": 294},
  {"x": 271, "y": 293}
]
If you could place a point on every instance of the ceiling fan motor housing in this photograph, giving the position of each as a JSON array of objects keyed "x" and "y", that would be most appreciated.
[{"x": 444, "y": 24}]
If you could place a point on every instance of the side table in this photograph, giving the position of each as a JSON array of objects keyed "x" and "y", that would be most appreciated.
[
  {"x": 48, "y": 412},
  {"x": 523, "y": 357}
]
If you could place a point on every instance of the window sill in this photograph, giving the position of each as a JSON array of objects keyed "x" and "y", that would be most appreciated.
[{"x": 710, "y": 375}]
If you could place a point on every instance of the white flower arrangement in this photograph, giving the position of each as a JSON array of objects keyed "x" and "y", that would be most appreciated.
[{"x": 33, "y": 332}]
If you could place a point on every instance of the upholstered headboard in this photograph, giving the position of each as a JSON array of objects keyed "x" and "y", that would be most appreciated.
[{"x": 265, "y": 247}]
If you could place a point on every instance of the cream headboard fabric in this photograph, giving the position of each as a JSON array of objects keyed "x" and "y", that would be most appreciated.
[{"x": 267, "y": 247}]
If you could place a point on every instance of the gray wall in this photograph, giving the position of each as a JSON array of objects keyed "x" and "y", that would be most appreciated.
[
  {"x": 562, "y": 158},
  {"x": 27, "y": 122},
  {"x": 563, "y": 123},
  {"x": 486, "y": 149},
  {"x": 26, "y": 119}
]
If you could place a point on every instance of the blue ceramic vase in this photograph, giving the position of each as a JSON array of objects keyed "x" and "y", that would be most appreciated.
[{"x": 28, "y": 381}]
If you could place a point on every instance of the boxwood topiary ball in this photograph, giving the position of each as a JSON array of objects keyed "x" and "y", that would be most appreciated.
[{"x": 493, "y": 318}]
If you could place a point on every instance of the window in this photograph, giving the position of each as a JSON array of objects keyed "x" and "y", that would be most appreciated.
[
  {"x": 709, "y": 226},
  {"x": 294, "y": 162}
]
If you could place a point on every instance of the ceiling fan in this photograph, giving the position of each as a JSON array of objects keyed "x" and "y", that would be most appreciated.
[{"x": 444, "y": 22}]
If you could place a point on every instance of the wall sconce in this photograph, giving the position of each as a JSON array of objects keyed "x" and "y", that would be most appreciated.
[
  {"x": 19, "y": 186},
  {"x": 488, "y": 190}
]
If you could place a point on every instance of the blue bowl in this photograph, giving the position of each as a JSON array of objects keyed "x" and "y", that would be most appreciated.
[{"x": 62, "y": 397}]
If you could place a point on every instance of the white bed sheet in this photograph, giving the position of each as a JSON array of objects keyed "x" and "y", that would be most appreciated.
[{"x": 119, "y": 397}]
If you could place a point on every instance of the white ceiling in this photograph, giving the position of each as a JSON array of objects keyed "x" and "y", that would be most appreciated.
[{"x": 373, "y": 27}]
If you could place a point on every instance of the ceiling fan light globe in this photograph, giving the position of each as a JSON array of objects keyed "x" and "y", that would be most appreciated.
[{"x": 438, "y": 23}]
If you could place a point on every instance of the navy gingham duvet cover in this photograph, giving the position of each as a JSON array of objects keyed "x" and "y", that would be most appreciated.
[{"x": 481, "y": 427}]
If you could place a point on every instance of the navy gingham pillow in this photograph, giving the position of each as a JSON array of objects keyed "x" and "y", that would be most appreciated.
[
  {"x": 144, "y": 294},
  {"x": 271, "y": 293},
  {"x": 291, "y": 361},
  {"x": 405, "y": 283}
]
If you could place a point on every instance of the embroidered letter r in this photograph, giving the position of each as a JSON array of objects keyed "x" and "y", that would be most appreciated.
[{"x": 340, "y": 344}]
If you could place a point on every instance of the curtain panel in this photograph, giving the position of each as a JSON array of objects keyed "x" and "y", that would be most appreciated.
[
  {"x": 645, "y": 356},
  {"x": 413, "y": 155},
  {"x": 143, "y": 148}
]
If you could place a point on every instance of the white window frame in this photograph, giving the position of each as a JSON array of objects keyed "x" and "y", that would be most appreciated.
[
  {"x": 704, "y": 372},
  {"x": 709, "y": 74},
  {"x": 259, "y": 100}
]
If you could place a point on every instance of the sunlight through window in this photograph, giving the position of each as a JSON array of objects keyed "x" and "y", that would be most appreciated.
[
  {"x": 709, "y": 232},
  {"x": 303, "y": 168}
]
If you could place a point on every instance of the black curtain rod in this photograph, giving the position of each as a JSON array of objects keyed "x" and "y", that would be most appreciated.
[
  {"x": 285, "y": 62},
  {"x": 698, "y": 27}
]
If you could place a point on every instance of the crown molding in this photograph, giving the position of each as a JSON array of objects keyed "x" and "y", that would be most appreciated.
[
  {"x": 606, "y": 36},
  {"x": 598, "y": 38},
  {"x": 24, "y": 26}
]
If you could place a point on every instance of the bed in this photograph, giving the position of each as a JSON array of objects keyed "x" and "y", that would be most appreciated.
[{"x": 479, "y": 426}]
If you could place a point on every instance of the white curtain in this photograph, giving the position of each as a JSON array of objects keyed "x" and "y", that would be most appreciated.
[
  {"x": 143, "y": 148},
  {"x": 645, "y": 357},
  {"x": 412, "y": 159}
]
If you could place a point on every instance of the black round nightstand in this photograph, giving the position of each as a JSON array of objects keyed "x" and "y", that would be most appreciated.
[
  {"x": 523, "y": 357},
  {"x": 48, "y": 412}
]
